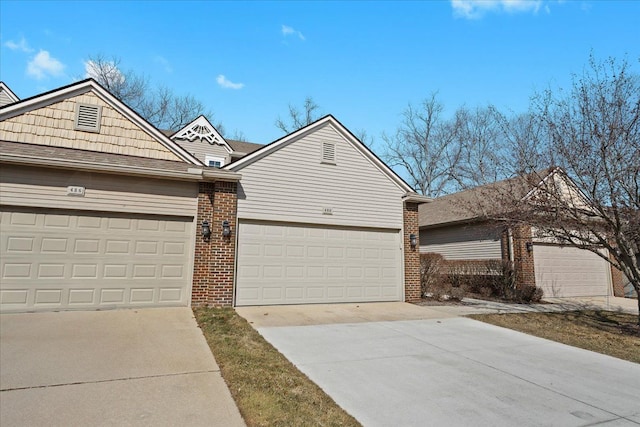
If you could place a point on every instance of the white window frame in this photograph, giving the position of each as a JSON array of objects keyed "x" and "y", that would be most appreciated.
[{"x": 208, "y": 159}]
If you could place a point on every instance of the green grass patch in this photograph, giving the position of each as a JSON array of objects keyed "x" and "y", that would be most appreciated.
[
  {"x": 268, "y": 389},
  {"x": 607, "y": 332}
]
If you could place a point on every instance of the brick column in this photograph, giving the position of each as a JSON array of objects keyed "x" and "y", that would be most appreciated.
[
  {"x": 214, "y": 262},
  {"x": 523, "y": 259},
  {"x": 411, "y": 255},
  {"x": 505, "y": 245},
  {"x": 617, "y": 280}
]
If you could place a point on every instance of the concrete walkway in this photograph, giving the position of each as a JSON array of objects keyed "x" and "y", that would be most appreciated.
[{"x": 121, "y": 367}]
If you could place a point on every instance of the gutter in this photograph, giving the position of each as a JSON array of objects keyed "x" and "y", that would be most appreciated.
[
  {"x": 195, "y": 173},
  {"x": 416, "y": 198}
]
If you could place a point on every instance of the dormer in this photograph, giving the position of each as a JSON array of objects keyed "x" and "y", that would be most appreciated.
[{"x": 204, "y": 142}]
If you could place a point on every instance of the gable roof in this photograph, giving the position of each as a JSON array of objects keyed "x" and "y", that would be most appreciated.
[
  {"x": 349, "y": 137},
  {"x": 90, "y": 85},
  {"x": 6, "y": 93},
  {"x": 479, "y": 202},
  {"x": 243, "y": 147},
  {"x": 201, "y": 128}
]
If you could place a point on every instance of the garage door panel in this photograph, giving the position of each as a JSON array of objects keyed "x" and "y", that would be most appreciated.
[
  {"x": 563, "y": 271},
  {"x": 294, "y": 264},
  {"x": 58, "y": 260}
]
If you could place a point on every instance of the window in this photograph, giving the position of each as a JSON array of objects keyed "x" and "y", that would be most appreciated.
[
  {"x": 88, "y": 117},
  {"x": 214, "y": 161},
  {"x": 328, "y": 153}
]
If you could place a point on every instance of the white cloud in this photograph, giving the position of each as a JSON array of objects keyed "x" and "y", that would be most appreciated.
[
  {"x": 44, "y": 65},
  {"x": 228, "y": 84},
  {"x": 21, "y": 45},
  {"x": 105, "y": 70},
  {"x": 164, "y": 63},
  {"x": 290, "y": 31},
  {"x": 475, "y": 9}
]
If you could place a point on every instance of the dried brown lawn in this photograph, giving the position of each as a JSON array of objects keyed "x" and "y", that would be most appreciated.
[
  {"x": 268, "y": 389},
  {"x": 612, "y": 333}
]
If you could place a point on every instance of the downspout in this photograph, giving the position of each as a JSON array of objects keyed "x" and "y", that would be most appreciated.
[{"x": 510, "y": 244}]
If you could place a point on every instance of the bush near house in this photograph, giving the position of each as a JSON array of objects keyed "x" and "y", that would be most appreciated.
[{"x": 442, "y": 280}]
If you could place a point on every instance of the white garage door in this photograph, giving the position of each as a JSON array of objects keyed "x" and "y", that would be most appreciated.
[
  {"x": 290, "y": 264},
  {"x": 564, "y": 271},
  {"x": 71, "y": 260}
]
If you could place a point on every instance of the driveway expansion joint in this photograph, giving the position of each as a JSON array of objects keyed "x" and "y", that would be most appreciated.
[{"x": 178, "y": 374}]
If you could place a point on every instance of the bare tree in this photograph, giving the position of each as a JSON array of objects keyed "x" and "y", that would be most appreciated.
[
  {"x": 524, "y": 145},
  {"x": 158, "y": 105},
  {"x": 480, "y": 139},
  {"x": 593, "y": 133},
  {"x": 364, "y": 137},
  {"x": 424, "y": 146},
  {"x": 299, "y": 118}
]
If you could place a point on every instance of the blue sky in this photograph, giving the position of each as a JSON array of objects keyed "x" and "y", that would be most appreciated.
[{"x": 361, "y": 61}]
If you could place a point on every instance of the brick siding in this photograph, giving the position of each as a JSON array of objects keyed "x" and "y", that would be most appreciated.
[
  {"x": 523, "y": 259},
  {"x": 411, "y": 255},
  {"x": 617, "y": 280},
  {"x": 214, "y": 263}
]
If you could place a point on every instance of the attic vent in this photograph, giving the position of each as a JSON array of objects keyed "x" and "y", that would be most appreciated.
[
  {"x": 88, "y": 117},
  {"x": 328, "y": 153}
]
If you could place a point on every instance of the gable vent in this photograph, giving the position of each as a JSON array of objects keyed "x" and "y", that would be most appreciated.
[
  {"x": 328, "y": 153},
  {"x": 88, "y": 117}
]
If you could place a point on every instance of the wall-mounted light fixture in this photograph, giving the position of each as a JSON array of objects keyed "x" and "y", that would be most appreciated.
[
  {"x": 413, "y": 240},
  {"x": 529, "y": 246},
  {"x": 226, "y": 229},
  {"x": 206, "y": 230}
]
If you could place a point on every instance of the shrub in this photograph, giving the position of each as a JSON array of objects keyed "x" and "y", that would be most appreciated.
[
  {"x": 434, "y": 279},
  {"x": 528, "y": 294},
  {"x": 490, "y": 279},
  {"x": 431, "y": 265}
]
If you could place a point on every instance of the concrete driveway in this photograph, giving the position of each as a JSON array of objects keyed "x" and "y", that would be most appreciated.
[
  {"x": 444, "y": 370},
  {"x": 121, "y": 367}
]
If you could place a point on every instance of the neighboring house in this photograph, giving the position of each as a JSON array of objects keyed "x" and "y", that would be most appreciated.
[
  {"x": 456, "y": 227},
  {"x": 99, "y": 209}
]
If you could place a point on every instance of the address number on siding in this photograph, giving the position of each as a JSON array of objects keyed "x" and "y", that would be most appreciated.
[{"x": 74, "y": 190}]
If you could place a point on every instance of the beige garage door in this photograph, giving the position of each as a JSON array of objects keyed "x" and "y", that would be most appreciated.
[
  {"x": 564, "y": 271},
  {"x": 293, "y": 264},
  {"x": 64, "y": 260}
]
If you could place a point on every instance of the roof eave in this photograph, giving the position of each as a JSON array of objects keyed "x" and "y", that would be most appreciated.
[
  {"x": 191, "y": 174},
  {"x": 416, "y": 198}
]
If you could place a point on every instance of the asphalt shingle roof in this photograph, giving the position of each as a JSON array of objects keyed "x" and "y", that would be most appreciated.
[{"x": 479, "y": 202}]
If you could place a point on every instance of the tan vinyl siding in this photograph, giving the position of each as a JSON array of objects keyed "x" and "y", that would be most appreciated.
[
  {"x": 55, "y": 125},
  {"x": 292, "y": 184},
  {"x": 200, "y": 149},
  {"x": 20, "y": 186},
  {"x": 462, "y": 242}
]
